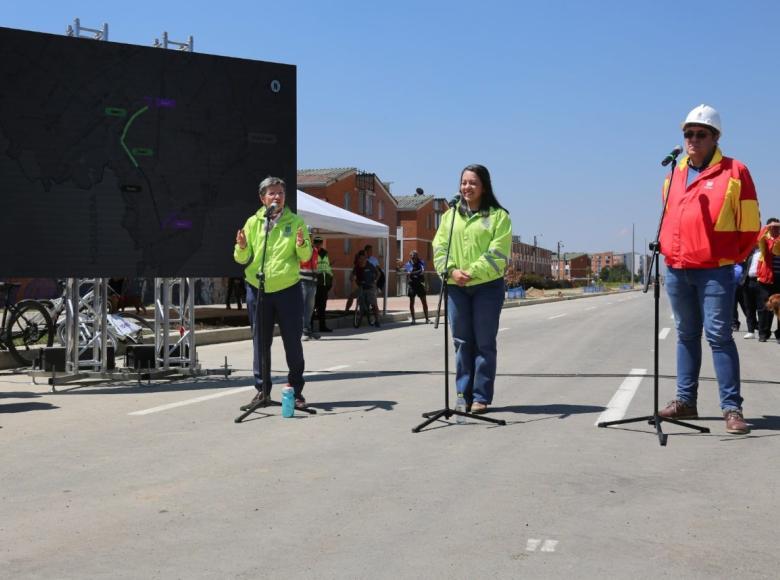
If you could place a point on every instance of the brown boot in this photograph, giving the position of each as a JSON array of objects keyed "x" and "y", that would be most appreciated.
[
  {"x": 735, "y": 423},
  {"x": 678, "y": 410}
]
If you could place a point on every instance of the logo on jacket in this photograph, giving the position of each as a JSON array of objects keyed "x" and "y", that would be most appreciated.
[
  {"x": 288, "y": 230},
  {"x": 709, "y": 185}
]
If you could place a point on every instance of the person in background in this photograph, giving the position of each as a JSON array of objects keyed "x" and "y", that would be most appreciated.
[
  {"x": 415, "y": 272},
  {"x": 234, "y": 289},
  {"x": 309, "y": 291},
  {"x": 768, "y": 274},
  {"x": 711, "y": 220},
  {"x": 374, "y": 261},
  {"x": 478, "y": 256},
  {"x": 750, "y": 293},
  {"x": 355, "y": 287},
  {"x": 365, "y": 276},
  {"x": 324, "y": 284},
  {"x": 288, "y": 245}
]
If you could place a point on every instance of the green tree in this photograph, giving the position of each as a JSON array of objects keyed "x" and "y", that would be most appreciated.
[{"x": 604, "y": 274}]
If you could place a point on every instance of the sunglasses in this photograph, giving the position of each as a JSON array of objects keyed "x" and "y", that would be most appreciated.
[{"x": 698, "y": 134}]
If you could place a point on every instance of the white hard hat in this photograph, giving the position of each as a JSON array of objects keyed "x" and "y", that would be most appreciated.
[{"x": 703, "y": 115}]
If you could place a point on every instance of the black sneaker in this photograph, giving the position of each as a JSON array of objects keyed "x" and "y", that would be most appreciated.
[
  {"x": 300, "y": 402},
  {"x": 256, "y": 401}
]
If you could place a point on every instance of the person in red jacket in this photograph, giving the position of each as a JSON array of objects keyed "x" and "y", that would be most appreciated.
[
  {"x": 711, "y": 221},
  {"x": 768, "y": 274}
]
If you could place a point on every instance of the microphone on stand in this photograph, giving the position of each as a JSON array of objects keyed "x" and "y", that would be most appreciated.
[
  {"x": 269, "y": 214},
  {"x": 454, "y": 201},
  {"x": 672, "y": 156}
]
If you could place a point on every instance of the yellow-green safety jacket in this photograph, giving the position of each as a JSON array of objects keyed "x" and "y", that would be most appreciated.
[
  {"x": 282, "y": 266},
  {"x": 481, "y": 244}
]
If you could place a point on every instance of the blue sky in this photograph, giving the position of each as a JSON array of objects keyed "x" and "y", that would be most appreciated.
[{"x": 571, "y": 105}]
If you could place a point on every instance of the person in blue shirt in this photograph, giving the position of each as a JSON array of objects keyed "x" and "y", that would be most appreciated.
[{"x": 415, "y": 272}]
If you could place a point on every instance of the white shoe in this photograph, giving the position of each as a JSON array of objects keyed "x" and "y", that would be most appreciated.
[{"x": 749, "y": 335}]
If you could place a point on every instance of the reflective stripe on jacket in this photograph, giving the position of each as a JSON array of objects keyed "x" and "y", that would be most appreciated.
[
  {"x": 481, "y": 244},
  {"x": 712, "y": 222},
  {"x": 284, "y": 254}
]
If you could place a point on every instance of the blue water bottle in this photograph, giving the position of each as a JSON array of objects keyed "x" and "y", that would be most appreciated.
[{"x": 288, "y": 401}]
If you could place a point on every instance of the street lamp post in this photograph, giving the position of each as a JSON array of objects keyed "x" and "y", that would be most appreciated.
[{"x": 560, "y": 245}]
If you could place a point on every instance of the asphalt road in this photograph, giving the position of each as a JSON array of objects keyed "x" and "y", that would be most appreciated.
[{"x": 157, "y": 481}]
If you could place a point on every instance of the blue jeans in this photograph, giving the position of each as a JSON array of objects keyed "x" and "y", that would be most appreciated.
[
  {"x": 473, "y": 314},
  {"x": 705, "y": 299},
  {"x": 286, "y": 308}
]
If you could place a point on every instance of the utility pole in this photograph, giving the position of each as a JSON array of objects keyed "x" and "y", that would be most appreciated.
[
  {"x": 560, "y": 245},
  {"x": 633, "y": 257}
]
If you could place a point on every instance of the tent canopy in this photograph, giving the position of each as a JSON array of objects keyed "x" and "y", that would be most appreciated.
[{"x": 332, "y": 221}]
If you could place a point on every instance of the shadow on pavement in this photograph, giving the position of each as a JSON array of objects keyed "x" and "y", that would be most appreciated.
[
  {"x": 25, "y": 407},
  {"x": 363, "y": 406},
  {"x": 563, "y": 411}
]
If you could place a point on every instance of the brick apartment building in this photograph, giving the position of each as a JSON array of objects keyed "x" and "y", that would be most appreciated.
[
  {"x": 362, "y": 193},
  {"x": 572, "y": 267},
  {"x": 531, "y": 259}
]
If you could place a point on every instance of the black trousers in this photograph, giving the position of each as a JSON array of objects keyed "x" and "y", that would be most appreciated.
[
  {"x": 284, "y": 307},
  {"x": 765, "y": 316},
  {"x": 321, "y": 303},
  {"x": 750, "y": 303}
]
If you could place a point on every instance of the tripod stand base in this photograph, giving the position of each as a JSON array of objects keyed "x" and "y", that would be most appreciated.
[
  {"x": 432, "y": 416},
  {"x": 656, "y": 420},
  {"x": 270, "y": 403}
]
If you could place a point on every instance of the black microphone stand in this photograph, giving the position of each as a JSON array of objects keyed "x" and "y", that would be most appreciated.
[
  {"x": 656, "y": 419},
  {"x": 446, "y": 412},
  {"x": 265, "y": 346}
]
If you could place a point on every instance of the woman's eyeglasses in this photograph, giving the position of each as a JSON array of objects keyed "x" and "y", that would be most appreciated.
[{"x": 698, "y": 134}]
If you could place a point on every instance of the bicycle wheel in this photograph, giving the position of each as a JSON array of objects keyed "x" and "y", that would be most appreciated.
[{"x": 29, "y": 328}]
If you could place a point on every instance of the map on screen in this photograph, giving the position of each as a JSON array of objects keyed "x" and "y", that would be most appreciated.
[{"x": 123, "y": 160}]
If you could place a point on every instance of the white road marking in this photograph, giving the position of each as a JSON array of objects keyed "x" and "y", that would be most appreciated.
[
  {"x": 532, "y": 544},
  {"x": 618, "y": 404},
  {"x": 557, "y": 316},
  {"x": 222, "y": 394},
  {"x": 591, "y": 308},
  {"x": 191, "y": 401},
  {"x": 664, "y": 333},
  {"x": 503, "y": 329}
]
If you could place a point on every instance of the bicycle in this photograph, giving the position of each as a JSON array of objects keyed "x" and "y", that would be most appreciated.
[
  {"x": 363, "y": 307},
  {"x": 26, "y": 325},
  {"x": 122, "y": 326}
]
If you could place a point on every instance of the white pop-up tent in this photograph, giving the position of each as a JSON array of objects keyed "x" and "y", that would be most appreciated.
[{"x": 332, "y": 221}]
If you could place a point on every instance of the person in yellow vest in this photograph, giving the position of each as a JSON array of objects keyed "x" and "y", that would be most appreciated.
[
  {"x": 324, "y": 284},
  {"x": 480, "y": 249},
  {"x": 288, "y": 245}
]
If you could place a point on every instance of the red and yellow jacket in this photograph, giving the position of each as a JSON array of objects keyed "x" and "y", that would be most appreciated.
[
  {"x": 713, "y": 222},
  {"x": 768, "y": 247}
]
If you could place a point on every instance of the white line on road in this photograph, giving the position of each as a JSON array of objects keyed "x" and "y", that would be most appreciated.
[
  {"x": 557, "y": 316},
  {"x": 191, "y": 401},
  {"x": 549, "y": 546},
  {"x": 223, "y": 394},
  {"x": 532, "y": 544},
  {"x": 591, "y": 308},
  {"x": 503, "y": 329},
  {"x": 664, "y": 333},
  {"x": 618, "y": 405}
]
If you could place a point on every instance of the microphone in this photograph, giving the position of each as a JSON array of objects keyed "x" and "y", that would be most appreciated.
[
  {"x": 454, "y": 201},
  {"x": 672, "y": 156},
  {"x": 271, "y": 210}
]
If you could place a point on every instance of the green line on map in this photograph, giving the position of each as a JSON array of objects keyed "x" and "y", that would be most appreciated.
[
  {"x": 142, "y": 151},
  {"x": 116, "y": 112},
  {"x": 124, "y": 133}
]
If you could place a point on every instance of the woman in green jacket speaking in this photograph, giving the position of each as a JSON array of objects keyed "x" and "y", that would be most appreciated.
[
  {"x": 288, "y": 245},
  {"x": 478, "y": 256}
]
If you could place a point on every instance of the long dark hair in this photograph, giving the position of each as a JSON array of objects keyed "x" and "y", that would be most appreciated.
[{"x": 488, "y": 199}]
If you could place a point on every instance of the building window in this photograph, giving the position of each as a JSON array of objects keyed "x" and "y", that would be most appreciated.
[
  {"x": 347, "y": 246},
  {"x": 381, "y": 209},
  {"x": 346, "y": 200}
]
